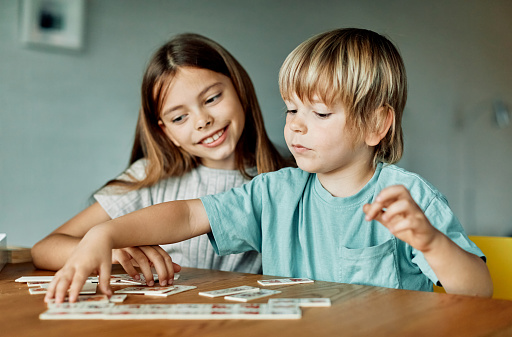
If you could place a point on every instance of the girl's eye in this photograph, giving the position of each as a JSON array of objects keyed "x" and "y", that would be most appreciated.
[
  {"x": 178, "y": 119},
  {"x": 213, "y": 98},
  {"x": 291, "y": 112}
]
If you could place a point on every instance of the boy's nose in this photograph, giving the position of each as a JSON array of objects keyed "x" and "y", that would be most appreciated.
[{"x": 296, "y": 124}]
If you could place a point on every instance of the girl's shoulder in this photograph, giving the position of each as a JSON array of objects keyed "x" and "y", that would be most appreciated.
[{"x": 137, "y": 170}]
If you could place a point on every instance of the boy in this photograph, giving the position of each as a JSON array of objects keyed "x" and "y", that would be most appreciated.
[{"x": 343, "y": 215}]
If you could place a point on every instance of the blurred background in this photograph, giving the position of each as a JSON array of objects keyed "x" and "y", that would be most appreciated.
[{"x": 68, "y": 117}]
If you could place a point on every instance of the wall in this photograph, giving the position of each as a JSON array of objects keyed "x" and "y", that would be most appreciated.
[{"x": 67, "y": 119}]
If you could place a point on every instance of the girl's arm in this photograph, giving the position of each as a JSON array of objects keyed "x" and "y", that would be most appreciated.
[
  {"x": 458, "y": 271},
  {"x": 168, "y": 222},
  {"x": 52, "y": 252}
]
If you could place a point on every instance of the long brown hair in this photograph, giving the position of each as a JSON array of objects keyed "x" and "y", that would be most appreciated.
[{"x": 164, "y": 159}]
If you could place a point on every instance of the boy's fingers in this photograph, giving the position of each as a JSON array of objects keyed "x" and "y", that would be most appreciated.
[
  {"x": 373, "y": 210},
  {"x": 392, "y": 192},
  {"x": 50, "y": 292},
  {"x": 76, "y": 286},
  {"x": 104, "y": 279},
  {"x": 397, "y": 208}
]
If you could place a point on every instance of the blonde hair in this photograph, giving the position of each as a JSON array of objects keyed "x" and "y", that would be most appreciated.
[
  {"x": 357, "y": 68},
  {"x": 164, "y": 159}
]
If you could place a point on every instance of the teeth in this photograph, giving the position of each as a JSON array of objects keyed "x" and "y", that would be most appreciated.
[{"x": 213, "y": 138}]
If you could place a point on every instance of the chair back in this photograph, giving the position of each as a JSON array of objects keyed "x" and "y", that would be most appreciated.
[{"x": 498, "y": 250}]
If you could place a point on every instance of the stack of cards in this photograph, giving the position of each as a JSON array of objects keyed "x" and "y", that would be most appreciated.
[
  {"x": 90, "y": 299},
  {"x": 125, "y": 279},
  {"x": 241, "y": 294},
  {"x": 39, "y": 284},
  {"x": 48, "y": 279},
  {"x": 284, "y": 281},
  {"x": 156, "y": 291},
  {"x": 301, "y": 302},
  {"x": 172, "y": 311}
]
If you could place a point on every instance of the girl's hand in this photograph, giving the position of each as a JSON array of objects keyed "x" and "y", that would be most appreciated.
[
  {"x": 92, "y": 255},
  {"x": 146, "y": 257},
  {"x": 398, "y": 212}
]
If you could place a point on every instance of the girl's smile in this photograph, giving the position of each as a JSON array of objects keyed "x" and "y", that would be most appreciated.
[{"x": 216, "y": 139}]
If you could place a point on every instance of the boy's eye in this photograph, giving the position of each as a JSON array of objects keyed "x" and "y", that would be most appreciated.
[
  {"x": 291, "y": 111},
  {"x": 213, "y": 98},
  {"x": 321, "y": 115}
]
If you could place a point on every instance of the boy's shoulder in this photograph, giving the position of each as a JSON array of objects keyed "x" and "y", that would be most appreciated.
[
  {"x": 285, "y": 179},
  {"x": 292, "y": 174},
  {"x": 415, "y": 183}
]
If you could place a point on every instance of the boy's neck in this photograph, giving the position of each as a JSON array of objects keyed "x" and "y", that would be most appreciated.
[{"x": 347, "y": 181}]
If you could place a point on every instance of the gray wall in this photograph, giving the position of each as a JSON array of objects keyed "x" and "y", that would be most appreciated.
[{"x": 67, "y": 119}]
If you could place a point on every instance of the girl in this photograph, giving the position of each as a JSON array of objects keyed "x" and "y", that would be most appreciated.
[{"x": 200, "y": 131}]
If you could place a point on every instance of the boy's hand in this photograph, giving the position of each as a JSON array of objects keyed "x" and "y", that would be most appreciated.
[
  {"x": 92, "y": 255},
  {"x": 398, "y": 212},
  {"x": 146, "y": 257}
]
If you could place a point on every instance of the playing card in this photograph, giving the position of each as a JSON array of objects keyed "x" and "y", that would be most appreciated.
[
  {"x": 36, "y": 284},
  {"x": 176, "y": 289},
  {"x": 78, "y": 306},
  {"x": 170, "y": 311},
  {"x": 48, "y": 279},
  {"x": 264, "y": 311},
  {"x": 37, "y": 291},
  {"x": 119, "y": 298},
  {"x": 88, "y": 288},
  {"x": 82, "y": 299},
  {"x": 284, "y": 281},
  {"x": 144, "y": 290},
  {"x": 248, "y": 296},
  {"x": 228, "y": 291},
  {"x": 77, "y": 311},
  {"x": 121, "y": 279},
  {"x": 302, "y": 302}
]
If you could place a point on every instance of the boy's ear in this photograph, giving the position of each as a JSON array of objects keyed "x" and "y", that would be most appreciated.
[{"x": 384, "y": 118}]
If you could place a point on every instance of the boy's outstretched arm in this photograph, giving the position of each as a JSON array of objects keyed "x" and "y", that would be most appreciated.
[
  {"x": 53, "y": 251},
  {"x": 458, "y": 271},
  {"x": 168, "y": 222}
]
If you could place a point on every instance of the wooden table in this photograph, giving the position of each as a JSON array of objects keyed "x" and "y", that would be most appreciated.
[{"x": 356, "y": 311}]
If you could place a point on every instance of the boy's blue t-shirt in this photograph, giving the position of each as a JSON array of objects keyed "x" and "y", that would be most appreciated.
[{"x": 303, "y": 231}]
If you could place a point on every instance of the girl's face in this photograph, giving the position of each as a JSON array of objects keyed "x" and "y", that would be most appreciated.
[{"x": 203, "y": 115}]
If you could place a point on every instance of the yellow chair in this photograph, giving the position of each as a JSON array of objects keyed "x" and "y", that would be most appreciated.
[{"x": 498, "y": 251}]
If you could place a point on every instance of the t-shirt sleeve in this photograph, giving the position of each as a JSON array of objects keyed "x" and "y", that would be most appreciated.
[
  {"x": 235, "y": 218},
  {"x": 441, "y": 216},
  {"x": 117, "y": 202}
]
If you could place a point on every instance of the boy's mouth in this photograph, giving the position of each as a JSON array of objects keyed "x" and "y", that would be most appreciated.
[{"x": 299, "y": 148}]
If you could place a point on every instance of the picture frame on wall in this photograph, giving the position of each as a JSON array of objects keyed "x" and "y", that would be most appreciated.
[{"x": 53, "y": 23}]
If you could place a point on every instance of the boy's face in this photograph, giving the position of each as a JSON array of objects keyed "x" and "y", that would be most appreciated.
[{"x": 319, "y": 139}]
